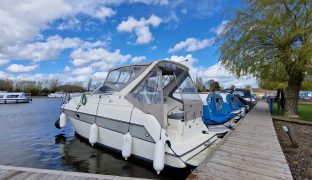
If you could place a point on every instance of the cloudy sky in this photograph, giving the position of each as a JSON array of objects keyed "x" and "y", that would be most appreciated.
[{"x": 73, "y": 40}]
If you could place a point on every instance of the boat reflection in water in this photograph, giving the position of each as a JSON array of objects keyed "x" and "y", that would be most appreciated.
[{"x": 80, "y": 156}]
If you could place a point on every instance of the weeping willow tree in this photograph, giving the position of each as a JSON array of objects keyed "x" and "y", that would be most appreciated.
[{"x": 272, "y": 40}]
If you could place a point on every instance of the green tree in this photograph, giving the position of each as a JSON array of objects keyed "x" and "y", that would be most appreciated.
[
  {"x": 271, "y": 39},
  {"x": 199, "y": 84},
  {"x": 6, "y": 85},
  {"x": 215, "y": 86}
]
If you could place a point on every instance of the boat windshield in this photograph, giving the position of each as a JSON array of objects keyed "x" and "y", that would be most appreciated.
[{"x": 119, "y": 78}]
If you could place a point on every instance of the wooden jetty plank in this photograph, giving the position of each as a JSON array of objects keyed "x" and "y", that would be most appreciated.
[
  {"x": 35, "y": 176},
  {"x": 233, "y": 173},
  {"x": 251, "y": 151},
  {"x": 12, "y": 173},
  {"x": 8, "y": 174},
  {"x": 259, "y": 159}
]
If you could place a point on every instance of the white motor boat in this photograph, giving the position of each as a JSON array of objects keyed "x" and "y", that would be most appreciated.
[
  {"x": 56, "y": 95},
  {"x": 136, "y": 113},
  {"x": 14, "y": 97}
]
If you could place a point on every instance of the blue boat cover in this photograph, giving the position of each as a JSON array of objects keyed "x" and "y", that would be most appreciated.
[{"x": 215, "y": 111}]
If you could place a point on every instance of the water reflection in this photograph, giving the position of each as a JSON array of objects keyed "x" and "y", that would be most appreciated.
[
  {"x": 82, "y": 157},
  {"x": 29, "y": 138}
]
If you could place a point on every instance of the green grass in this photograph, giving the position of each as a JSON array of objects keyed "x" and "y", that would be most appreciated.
[{"x": 305, "y": 111}]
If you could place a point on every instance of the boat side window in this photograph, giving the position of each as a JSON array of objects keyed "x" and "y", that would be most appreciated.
[
  {"x": 103, "y": 89},
  {"x": 149, "y": 91},
  {"x": 12, "y": 96},
  {"x": 186, "y": 91},
  {"x": 167, "y": 79},
  {"x": 1, "y": 96}
]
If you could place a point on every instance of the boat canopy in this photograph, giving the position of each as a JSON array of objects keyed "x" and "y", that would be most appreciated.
[{"x": 171, "y": 79}]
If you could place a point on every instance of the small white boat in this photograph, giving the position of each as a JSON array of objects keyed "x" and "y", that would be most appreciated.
[
  {"x": 14, "y": 97},
  {"x": 136, "y": 113},
  {"x": 56, "y": 95}
]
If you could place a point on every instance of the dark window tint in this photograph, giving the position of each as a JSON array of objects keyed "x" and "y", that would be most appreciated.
[{"x": 243, "y": 93}]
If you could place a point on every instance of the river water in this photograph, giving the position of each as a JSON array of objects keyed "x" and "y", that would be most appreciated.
[{"x": 28, "y": 138}]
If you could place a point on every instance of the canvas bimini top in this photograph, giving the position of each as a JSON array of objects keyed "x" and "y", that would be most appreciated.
[{"x": 147, "y": 86}]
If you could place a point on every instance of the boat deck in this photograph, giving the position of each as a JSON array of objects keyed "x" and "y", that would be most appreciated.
[
  {"x": 251, "y": 151},
  {"x": 11, "y": 172}
]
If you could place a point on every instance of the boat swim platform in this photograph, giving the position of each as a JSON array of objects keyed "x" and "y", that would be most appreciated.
[
  {"x": 251, "y": 151},
  {"x": 12, "y": 173}
]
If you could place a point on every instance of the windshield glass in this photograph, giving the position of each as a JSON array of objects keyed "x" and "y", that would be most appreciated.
[
  {"x": 121, "y": 76},
  {"x": 103, "y": 90},
  {"x": 187, "y": 90}
]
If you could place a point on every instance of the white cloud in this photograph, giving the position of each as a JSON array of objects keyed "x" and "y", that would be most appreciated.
[
  {"x": 160, "y": 2},
  {"x": 19, "y": 68},
  {"x": 3, "y": 75},
  {"x": 187, "y": 60},
  {"x": 22, "y": 20},
  {"x": 67, "y": 69},
  {"x": 82, "y": 71},
  {"x": 224, "y": 77},
  {"x": 219, "y": 30},
  {"x": 81, "y": 57},
  {"x": 48, "y": 49},
  {"x": 191, "y": 44},
  {"x": 39, "y": 51},
  {"x": 100, "y": 76},
  {"x": 216, "y": 72},
  {"x": 153, "y": 48},
  {"x": 70, "y": 24},
  {"x": 4, "y": 61},
  {"x": 140, "y": 28},
  {"x": 104, "y": 12},
  {"x": 138, "y": 59}
]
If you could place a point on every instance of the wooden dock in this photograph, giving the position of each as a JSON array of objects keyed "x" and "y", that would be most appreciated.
[
  {"x": 12, "y": 173},
  {"x": 251, "y": 151}
]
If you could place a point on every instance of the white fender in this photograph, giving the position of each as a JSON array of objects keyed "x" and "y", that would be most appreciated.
[
  {"x": 159, "y": 156},
  {"x": 94, "y": 132},
  {"x": 243, "y": 111},
  {"x": 127, "y": 146},
  {"x": 63, "y": 120}
]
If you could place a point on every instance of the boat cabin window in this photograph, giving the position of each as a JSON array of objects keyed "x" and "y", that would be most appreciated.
[
  {"x": 1, "y": 96},
  {"x": 13, "y": 96},
  {"x": 149, "y": 91},
  {"x": 186, "y": 90}
]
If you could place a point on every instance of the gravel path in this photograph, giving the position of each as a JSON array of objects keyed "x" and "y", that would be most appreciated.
[{"x": 299, "y": 159}]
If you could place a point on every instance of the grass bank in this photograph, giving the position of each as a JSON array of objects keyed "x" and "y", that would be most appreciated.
[{"x": 305, "y": 111}]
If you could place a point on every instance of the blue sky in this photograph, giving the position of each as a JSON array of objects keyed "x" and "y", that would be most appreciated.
[{"x": 75, "y": 40}]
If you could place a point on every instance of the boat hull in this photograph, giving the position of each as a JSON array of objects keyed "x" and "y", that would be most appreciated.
[
  {"x": 12, "y": 101},
  {"x": 141, "y": 148}
]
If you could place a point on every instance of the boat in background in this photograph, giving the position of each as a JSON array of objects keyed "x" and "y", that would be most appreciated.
[
  {"x": 57, "y": 95},
  {"x": 14, "y": 97},
  {"x": 151, "y": 111}
]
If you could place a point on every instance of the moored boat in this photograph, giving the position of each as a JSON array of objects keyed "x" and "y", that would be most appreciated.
[
  {"x": 56, "y": 95},
  {"x": 14, "y": 97},
  {"x": 151, "y": 111}
]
